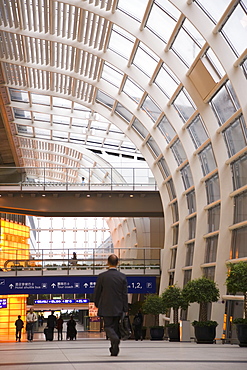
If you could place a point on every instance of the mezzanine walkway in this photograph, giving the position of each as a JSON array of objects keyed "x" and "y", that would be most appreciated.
[
  {"x": 107, "y": 192},
  {"x": 91, "y": 352}
]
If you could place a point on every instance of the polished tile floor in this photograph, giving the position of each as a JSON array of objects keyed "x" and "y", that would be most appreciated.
[{"x": 92, "y": 352}]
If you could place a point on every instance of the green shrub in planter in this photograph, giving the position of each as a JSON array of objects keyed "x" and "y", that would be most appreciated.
[
  {"x": 236, "y": 281},
  {"x": 154, "y": 305},
  {"x": 202, "y": 291}
]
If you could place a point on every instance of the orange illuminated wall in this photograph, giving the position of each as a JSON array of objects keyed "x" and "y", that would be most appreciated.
[
  {"x": 16, "y": 305},
  {"x": 13, "y": 242},
  {"x": 14, "y": 246}
]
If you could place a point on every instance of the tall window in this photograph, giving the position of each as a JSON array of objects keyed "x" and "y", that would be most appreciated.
[
  {"x": 189, "y": 254},
  {"x": 213, "y": 219},
  {"x": 211, "y": 249}
]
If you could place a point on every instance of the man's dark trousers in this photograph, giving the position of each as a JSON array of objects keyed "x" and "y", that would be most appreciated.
[{"x": 111, "y": 326}]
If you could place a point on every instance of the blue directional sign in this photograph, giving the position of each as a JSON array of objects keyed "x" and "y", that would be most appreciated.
[
  {"x": 58, "y": 301},
  {"x": 3, "y": 303},
  {"x": 68, "y": 284}
]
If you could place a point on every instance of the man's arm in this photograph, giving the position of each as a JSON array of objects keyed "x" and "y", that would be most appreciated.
[
  {"x": 125, "y": 296},
  {"x": 97, "y": 292}
]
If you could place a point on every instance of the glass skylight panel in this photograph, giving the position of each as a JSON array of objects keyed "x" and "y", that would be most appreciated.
[
  {"x": 188, "y": 43},
  {"x": 207, "y": 160},
  {"x": 244, "y": 66},
  {"x": 214, "y": 9},
  {"x": 59, "y": 136},
  {"x": 40, "y": 99},
  {"x": 24, "y": 130},
  {"x": 128, "y": 145},
  {"x": 145, "y": 60},
  {"x": 239, "y": 170},
  {"x": 236, "y": 136},
  {"x": 80, "y": 107},
  {"x": 19, "y": 95},
  {"x": 166, "y": 128},
  {"x": 197, "y": 132},
  {"x": 20, "y": 113},
  {"x": 166, "y": 81},
  {"x": 214, "y": 67},
  {"x": 115, "y": 129},
  {"x": 138, "y": 126},
  {"x": 99, "y": 125},
  {"x": 40, "y": 133},
  {"x": 92, "y": 140},
  {"x": 61, "y": 103},
  {"x": 169, "y": 7},
  {"x": 183, "y": 105},
  {"x": 77, "y": 138},
  {"x": 123, "y": 112},
  {"x": 212, "y": 189},
  {"x": 178, "y": 151},
  {"x": 63, "y": 120},
  {"x": 121, "y": 42},
  {"x": 133, "y": 90},
  {"x": 163, "y": 167},
  {"x": 160, "y": 22},
  {"x": 111, "y": 143},
  {"x": 154, "y": 146},
  {"x": 235, "y": 29},
  {"x": 134, "y": 8},
  {"x": 112, "y": 75},
  {"x": 224, "y": 103},
  {"x": 151, "y": 108},
  {"x": 77, "y": 122},
  {"x": 187, "y": 177},
  {"x": 104, "y": 99},
  {"x": 41, "y": 117}
]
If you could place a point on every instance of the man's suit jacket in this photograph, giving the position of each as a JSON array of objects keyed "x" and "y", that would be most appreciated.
[{"x": 110, "y": 293}]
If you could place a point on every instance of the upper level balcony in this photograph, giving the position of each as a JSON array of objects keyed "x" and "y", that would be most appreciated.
[
  {"x": 60, "y": 178},
  {"x": 88, "y": 262}
]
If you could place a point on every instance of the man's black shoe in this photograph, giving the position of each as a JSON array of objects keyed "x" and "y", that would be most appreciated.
[{"x": 114, "y": 348}]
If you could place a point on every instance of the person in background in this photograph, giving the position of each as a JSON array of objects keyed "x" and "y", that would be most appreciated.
[
  {"x": 40, "y": 320},
  {"x": 31, "y": 320},
  {"x": 19, "y": 324},
  {"x": 51, "y": 323},
  {"x": 137, "y": 323},
  {"x": 83, "y": 180},
  {"x": 111, "y": 299},
  {"x": 74, "y": 259},
  {"x": 71, "y": 329},
  {"x": 59, "y": 328}
]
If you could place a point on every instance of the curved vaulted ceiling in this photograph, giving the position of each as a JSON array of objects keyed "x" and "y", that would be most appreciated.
[{"x": 162, "y": 80}]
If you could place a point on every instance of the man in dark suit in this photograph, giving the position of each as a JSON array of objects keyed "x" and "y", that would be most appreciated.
[{"x": 111, "y": 299}]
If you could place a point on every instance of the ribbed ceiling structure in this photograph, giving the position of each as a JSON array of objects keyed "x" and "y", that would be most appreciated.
[{"x": 162, "y": 80}]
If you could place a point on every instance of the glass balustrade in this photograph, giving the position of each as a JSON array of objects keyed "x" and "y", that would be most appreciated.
[{"x": 134, "y": 261}]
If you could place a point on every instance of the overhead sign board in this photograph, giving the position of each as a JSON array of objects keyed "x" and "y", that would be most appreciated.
[
  {"x": 69, "y": 284},
  {"x": 3, "y": 303},
  {"x": 58, "y": 301}
]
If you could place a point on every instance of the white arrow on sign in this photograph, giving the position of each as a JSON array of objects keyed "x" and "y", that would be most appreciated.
[
  {"x": 53, "y": 285},
  {"x": 85, "y": 285},
  {"x": 11, "y": 286}
]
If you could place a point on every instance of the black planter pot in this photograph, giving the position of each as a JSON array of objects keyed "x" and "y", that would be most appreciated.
[
  {"x": 242, "y": 334},
  {"x": 174, "y": 334},
  {"x": 157, "y": 333},
  {"x": 205, "y": 334}
]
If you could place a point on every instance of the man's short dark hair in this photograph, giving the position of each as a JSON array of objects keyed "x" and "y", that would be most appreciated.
[{"x": 113, "y": 260}]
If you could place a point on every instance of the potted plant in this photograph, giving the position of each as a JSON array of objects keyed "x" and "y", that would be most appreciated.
[
  {"x": 173, "y": 298},
  {"x": 236, "y": 282},
  {"x": 154, "y": 305},
  {"x": 202, "y": 291}
]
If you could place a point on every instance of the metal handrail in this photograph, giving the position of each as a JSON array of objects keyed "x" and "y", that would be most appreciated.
[
  {"x": 95, "y": 260},
  {"x": 122, "y": 178}
]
